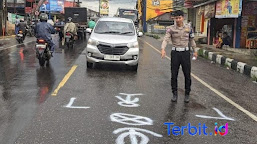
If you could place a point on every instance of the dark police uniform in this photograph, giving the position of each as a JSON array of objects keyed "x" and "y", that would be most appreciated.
[{"x": 181, "y": 38}]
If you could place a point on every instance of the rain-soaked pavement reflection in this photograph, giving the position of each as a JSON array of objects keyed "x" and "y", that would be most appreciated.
[
  {"x": 29, "y": 115},
  {"x": 24, "y": 84}
]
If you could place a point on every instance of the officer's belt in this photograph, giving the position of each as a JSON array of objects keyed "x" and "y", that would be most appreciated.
[{"x": 180, "y": 49}]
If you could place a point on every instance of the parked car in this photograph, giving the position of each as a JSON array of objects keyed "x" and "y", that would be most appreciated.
[{"x": 113, "y": 40}]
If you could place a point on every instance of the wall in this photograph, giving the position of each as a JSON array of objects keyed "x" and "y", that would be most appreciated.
[
  {"x": 1, "y": 15},
  {"x": 204, "y": 34},
  {"x": 197, "y": 21},
  {"x": 192, "y": 17},
  {"x": 248, "y": 15}
]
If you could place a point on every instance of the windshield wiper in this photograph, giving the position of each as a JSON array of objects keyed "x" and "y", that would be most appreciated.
[
  {"x": 126, "y": 32},
  {"x": 109, "y": 32}
]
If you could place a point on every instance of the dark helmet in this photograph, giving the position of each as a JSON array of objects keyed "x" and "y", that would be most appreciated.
[
  {"x": 43, "y": 17},
  {"x": 69, "y": 19}
]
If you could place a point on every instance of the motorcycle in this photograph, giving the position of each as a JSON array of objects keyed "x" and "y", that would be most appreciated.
[
  {"x": 42, "y": 52},
  {"x": 20, "y": 37},
  {"x": 69, "y": 39},
  {"x": 30, "y": 31}
]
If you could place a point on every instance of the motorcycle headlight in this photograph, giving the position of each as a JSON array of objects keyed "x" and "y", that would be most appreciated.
[
  {"x": 133, "y": 45},
  {"x": 92, "y": 42}
]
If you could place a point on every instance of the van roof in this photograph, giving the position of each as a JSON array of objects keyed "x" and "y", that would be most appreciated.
[{"x": 118, "y": 19}]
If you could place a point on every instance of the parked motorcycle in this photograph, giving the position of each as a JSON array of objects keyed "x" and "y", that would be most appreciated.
[{"x": 42, "y": 52}]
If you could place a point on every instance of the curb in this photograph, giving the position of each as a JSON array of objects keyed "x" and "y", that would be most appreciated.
[
  {"x": 1, "y": 37},
  {"x": 243, "y": 68}
]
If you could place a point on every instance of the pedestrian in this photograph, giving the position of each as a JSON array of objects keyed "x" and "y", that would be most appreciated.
[
  {"x": 219, "y": 41},
  {"x": 226, "y": 40},
  {"x": 181, "y": 35}
]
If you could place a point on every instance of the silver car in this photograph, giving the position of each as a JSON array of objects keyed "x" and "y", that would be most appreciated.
[{"x": 113, "y": 40}]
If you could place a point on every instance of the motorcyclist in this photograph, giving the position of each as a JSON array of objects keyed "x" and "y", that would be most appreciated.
[
  {"x": 70, "y": 27},
  {"x": 91, "y": 23},
  {"x": 17, "y": 21},
  {"x": 43, "y": 30},
  {"x": 22, "y": 26},
  {"x": 60, "y": 27}
]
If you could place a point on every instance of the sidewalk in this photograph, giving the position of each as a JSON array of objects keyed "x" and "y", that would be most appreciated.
[
  {"x": 4, "y": 37},
  {"x": 248, "y": 56}
]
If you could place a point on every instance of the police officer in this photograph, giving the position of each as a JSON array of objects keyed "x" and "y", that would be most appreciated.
[{"x": 181, "y": 37}]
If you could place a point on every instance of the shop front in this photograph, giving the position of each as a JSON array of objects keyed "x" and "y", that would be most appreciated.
[
  {"x": 249, "y": 25},
  {"x": 226, "y": 24}
]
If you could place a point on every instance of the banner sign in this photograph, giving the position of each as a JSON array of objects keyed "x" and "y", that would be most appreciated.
[
  {"x": 228, "y": 8},
  {"x": 157, "y": 7},
  {"x": 53, "y": 5},
  {"x": 104, "y": 7}
]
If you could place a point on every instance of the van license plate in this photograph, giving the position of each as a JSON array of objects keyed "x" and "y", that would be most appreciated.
[{"x": 111, "y": 57}]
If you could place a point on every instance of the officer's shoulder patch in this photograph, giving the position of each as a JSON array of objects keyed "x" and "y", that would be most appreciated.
[
  {"x": 168, "y": 29},
  {"x": 187, "y": 29}
]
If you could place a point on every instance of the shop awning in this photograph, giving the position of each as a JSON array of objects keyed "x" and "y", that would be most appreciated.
[{"x": 204, "y": 3}]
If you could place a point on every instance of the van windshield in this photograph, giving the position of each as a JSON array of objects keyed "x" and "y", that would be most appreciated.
[{"x": 114, "y": 27}]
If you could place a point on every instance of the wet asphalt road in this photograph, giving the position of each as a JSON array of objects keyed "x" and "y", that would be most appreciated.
[{"x": 92, "y": 107}]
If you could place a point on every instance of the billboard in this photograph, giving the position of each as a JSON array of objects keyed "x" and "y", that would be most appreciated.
[
  {"x": 104, "y": 7},
  {"x": 157, "y": 7},
  {"x": 53, "y": 5},
  {"x": 228, "y": 8}
]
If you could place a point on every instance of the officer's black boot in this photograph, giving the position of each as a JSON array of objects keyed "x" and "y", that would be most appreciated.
[
  {"x": 186, "y": 98},
  {"x": 175, "y": 97}
]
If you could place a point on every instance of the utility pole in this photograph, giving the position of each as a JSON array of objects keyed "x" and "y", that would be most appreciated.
[
  {"x": 99, "y": 8},
  {"x": 144, "y": 16},
  {"x": 78, "y": 3},
  {"x": 1, "y": 17},
  {"x": 5, "y": 17},
  {"x": 14, "y": 6}
]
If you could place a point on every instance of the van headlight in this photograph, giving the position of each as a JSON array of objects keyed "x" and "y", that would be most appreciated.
[
  {"x": 133, "y": 45},
  {"x": 92, "y": 42}
]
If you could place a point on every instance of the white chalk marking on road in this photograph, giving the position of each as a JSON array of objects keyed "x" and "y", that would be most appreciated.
[
  {"x": 128, "y": 102},
  {"x": 133, "y": 134},
  {"x": 222, "y": 116},
  {"x": 74, "y": 107},
  {"x": 129, "y": 119},
  {"x": 17, "y": 45},
  {"x": 214, "y": 90}
]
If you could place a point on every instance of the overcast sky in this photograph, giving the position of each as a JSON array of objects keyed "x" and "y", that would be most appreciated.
[{"x": 113, "y": 4}]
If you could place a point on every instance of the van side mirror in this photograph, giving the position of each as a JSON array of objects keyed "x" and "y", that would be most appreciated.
[
  {"x": 140, "y": 34},
  {"x": 89, "y": 30}
]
